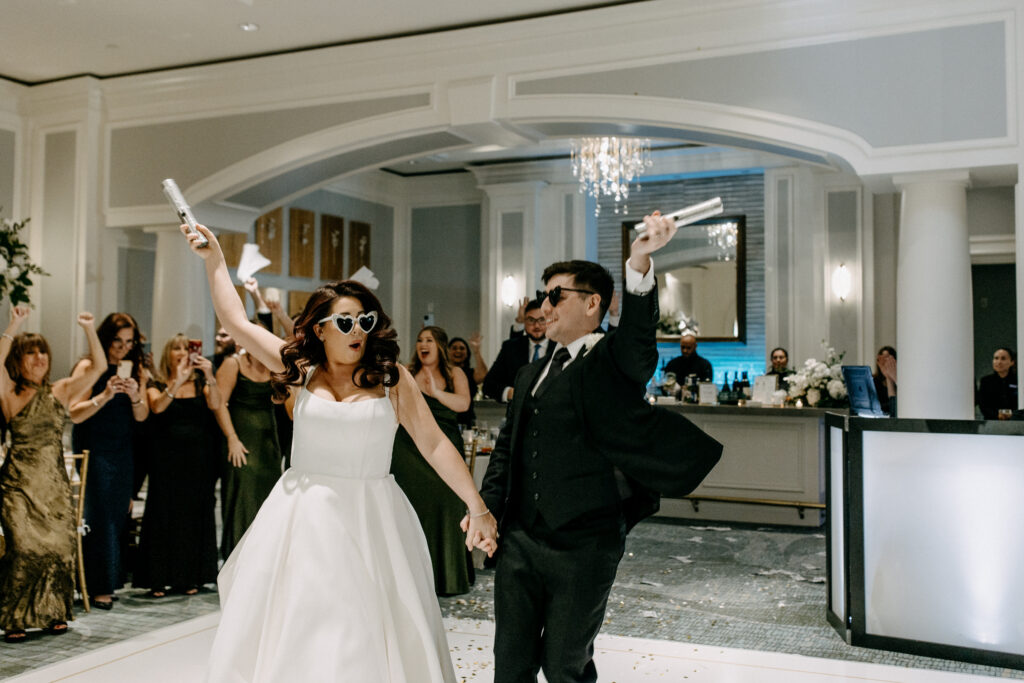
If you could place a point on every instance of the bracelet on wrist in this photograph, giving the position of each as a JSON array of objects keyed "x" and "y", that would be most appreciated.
[
  {"x": 6, "y": 336},
  {"x": 479, "y": 514},
  {"x": 169, "y": 393},
  {"x": 137, "y": 403},
  {"x": 94, "y": 402}
]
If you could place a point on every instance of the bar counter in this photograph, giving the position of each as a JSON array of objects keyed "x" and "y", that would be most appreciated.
[{"x": 772, "y": 469}]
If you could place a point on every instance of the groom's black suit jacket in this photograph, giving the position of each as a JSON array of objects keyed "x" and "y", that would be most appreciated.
[{"x": 593, "y": 426}]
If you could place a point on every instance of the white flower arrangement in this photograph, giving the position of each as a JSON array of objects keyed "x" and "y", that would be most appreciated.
[
  {"x": 15, "y": 267},
  {"x": 819, "y": 383}
]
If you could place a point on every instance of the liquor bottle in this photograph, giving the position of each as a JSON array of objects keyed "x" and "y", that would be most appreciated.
[
  {"x": 693, "y": 389},
  {"x": 745, "y": 389},
  {"x": 726, "y": 390}
]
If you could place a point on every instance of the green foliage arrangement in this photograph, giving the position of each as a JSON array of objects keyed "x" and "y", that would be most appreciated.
[{"x": 16, "y": 270}]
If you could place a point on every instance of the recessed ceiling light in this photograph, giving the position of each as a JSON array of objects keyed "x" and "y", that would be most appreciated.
[{"x": 249, "y": 27}]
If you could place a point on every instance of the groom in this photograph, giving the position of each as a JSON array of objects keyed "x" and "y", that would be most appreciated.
[{"x": 581, "y": 459}]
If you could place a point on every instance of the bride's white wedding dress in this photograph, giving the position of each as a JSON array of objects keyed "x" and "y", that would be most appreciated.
[{"x": 332, "y": 582}]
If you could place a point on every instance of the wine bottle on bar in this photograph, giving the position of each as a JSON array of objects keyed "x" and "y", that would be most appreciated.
[{"x": 723, "y": 395}]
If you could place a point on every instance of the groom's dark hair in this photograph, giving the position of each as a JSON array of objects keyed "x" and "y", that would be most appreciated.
[{"x": 585, "y": 275}]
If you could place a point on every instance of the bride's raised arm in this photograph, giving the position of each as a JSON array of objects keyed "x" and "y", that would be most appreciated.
[{"x": 255, "y": 339}]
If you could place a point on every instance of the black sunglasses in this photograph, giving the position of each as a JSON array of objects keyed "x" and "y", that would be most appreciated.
[
  {"x": 345, "y": 322},
  {"x": 555, "y": 295}
]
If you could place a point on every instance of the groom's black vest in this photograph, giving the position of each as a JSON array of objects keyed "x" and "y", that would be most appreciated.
[{"x": 556, "y": 475}]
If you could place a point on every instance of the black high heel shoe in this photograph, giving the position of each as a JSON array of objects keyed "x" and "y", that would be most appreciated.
[
  {"x": 107, "y": 605},
  {"x": 58, "y": 628},
  {"x": 16, "y": 636}
]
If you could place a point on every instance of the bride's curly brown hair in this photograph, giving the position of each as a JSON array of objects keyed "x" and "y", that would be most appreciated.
[{"x": 378, "y": 365}]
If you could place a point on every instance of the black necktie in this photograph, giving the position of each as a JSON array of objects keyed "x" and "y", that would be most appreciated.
[
  {"x": 561, "y": 356},
  {"x": 536, "y": 352}
]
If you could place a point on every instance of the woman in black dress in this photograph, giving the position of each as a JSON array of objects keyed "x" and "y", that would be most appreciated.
[
  {"x": 178, "y": 544},
  {"x": 104, "y": 419},
  {"x": 998, "y": 391},
  {"x": 885, "y": 378},
  {"x": 461, "y": 356},
  {"x": 446, "y": 391}
]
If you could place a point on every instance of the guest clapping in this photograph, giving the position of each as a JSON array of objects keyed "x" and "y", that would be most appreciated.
[
  {"x": 37, "y": 581},
  {"x": 178, "y": 545},
  {"x": 104, "y": 417}
]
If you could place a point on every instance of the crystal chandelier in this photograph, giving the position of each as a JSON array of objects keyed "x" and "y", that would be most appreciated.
[
  {"x": 606, "y": 166},
  {"x": 722, "y": 236}
]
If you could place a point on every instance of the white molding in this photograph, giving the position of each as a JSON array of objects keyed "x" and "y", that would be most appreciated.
[
  {"x": 988, "y": 249},
  {"x": 313, "y": 147},
  {"x": 954, "y": 176}
]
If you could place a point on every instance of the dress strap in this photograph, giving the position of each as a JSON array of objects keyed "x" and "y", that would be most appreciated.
[{"x": 309, "y": 375}]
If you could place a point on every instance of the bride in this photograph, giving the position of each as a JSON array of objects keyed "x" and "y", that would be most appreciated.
[{"x": 332, "y": 581}]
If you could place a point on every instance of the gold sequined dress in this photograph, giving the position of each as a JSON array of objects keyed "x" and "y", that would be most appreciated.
[{"x": 37, "y": 570}]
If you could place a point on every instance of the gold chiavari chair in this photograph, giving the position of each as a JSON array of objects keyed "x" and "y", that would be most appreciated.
[{"x": 78, "y": 470}]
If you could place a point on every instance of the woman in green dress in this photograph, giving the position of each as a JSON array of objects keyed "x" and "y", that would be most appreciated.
[
  {"x": 253, "y": 451},
  {"x": 446, "y": 390},
  {"x": 37, "y": 572}
]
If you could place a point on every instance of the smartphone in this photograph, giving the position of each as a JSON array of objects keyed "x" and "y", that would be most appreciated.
[
  {"x": 124, "y": 369},
  {"x": 195, "y": 349}
]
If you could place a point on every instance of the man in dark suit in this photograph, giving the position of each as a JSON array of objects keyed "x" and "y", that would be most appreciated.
[
  {"x": 581, "y": 459},
  {"x": 517, "y": 352}
]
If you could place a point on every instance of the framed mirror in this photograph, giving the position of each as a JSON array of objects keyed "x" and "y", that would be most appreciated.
[{"x": 701, "y": 280}]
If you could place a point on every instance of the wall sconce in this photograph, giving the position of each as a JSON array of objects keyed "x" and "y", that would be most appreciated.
[
  {"x": 842, "y": 281},
  {"x": 509, "y": 291}
]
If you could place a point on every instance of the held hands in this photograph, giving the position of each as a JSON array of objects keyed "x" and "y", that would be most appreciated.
[
  {"x": 481, "y": 532},
  {"x": 659, "y": 230}
]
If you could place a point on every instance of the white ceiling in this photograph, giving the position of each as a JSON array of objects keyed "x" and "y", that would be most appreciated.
[{"x": 44, "y": 40}]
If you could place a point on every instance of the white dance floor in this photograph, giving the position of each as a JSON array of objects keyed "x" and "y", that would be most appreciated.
[{"x": 177, "y": 654}]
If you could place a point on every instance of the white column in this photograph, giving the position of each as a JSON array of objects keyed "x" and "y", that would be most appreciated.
[
  {"x": 1018, "y": 217},
  {"x": 181, "y": 296},
  {"x": 933, "y": 298}
]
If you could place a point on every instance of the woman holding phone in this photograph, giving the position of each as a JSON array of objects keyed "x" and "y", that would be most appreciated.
[
  {"x": 104, "y": 418},
  {"x": 178, "y": 544},
  {"x": 37, "y": 583},
  {"x": 337, "y": 551}
]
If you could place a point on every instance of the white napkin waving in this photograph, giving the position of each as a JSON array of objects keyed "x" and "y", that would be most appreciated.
[
  {"x": 366, "y": 277},
  {"x": 250, "y": 262}
]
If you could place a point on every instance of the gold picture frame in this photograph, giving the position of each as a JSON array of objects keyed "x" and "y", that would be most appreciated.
[
  {"x": 358, "y": 246},
  {"x": 332, "y": 247},
  {"x": 301, "y": 242}
]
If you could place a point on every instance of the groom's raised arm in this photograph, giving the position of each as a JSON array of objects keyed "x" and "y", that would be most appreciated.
[{"x": 634, "y": 345}]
